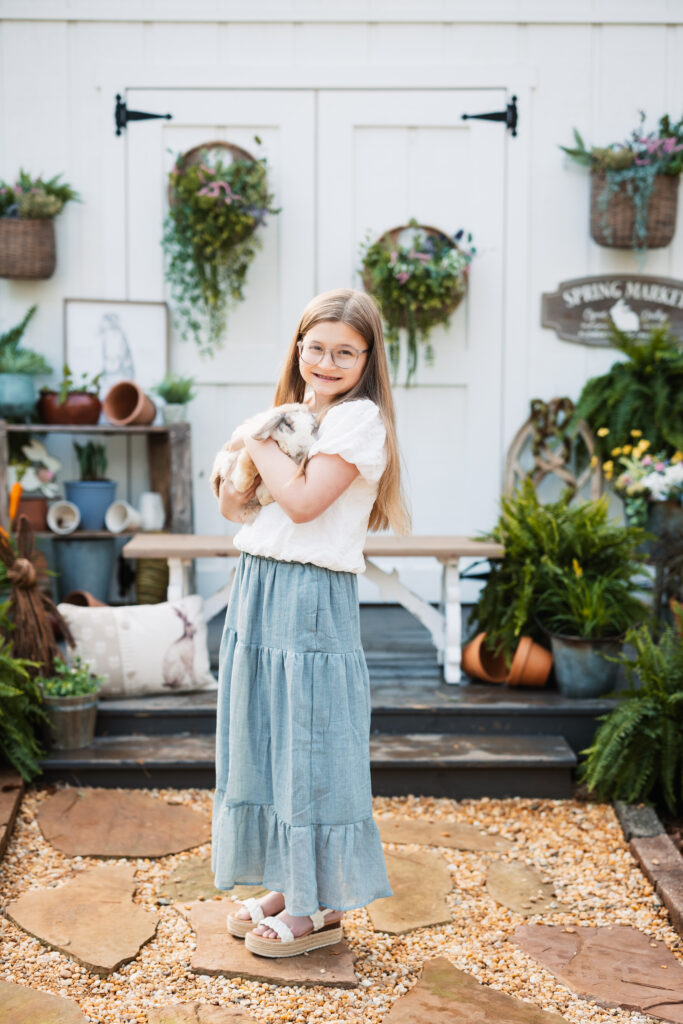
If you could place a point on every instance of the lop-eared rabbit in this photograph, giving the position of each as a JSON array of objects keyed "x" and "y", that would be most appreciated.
[{"x": 293, "y": 426}]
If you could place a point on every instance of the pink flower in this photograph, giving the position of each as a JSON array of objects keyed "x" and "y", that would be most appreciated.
[
  {"x": 402, "y": 277},
  {"x": 660, "y": 466},
  {"x": 393, "y": 258},
  {"x": 646, "y": 461},
  {"x": 45, "y": 475},
  {"x": 669, "y": 145},
  {"x": 424, "y": 257}
]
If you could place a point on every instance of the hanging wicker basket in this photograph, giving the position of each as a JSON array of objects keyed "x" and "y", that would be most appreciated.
[
  {"x": 613, "y": 226},
  {"x": 27, "y": 248},
  {"x": 393, "y": 236},
  {"x": 194, "y": 156}
]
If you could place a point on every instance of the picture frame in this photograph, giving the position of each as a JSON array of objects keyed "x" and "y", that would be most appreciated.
[{"x": 122, "y": 339}]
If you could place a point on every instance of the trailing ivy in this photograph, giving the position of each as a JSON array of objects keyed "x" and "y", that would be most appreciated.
[
  {"x": 209, "y": 240},
  {"x": 637, "y": 752}
]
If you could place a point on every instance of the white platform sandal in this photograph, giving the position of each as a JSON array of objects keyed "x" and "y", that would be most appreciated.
[
  {"x": 240, "y": 926},
  {"x": 287, "y": 945}
]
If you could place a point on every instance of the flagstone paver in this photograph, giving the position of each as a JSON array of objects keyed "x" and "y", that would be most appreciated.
[
  {"x": 616, "y": 965},
  {"x": 445, "y": 995},
  {"x": 92, "y": 918},
  {"x": 521, "y": 888},
  {"x": 219, "y": 952},
  {"x": 197, "y": 1013},
  {"x": 11, "y": 792},
  {"x": 193, "y": 880},
  {"x": 439, "y": 833},
  {"x": 93, "y": 822},
  {"x": 22, "y": 1005},
  {"x": 420, "y": 881}
]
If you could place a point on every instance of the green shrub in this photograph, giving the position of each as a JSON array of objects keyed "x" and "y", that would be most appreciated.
[
  {"x": 20, "y": 707},
  {"x": 73, "y": 680},
  {"x": 637, "y": 752},
  {"x": 16, "y": 360}
]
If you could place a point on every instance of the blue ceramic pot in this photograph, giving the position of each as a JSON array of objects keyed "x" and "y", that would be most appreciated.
[
  {"x": 93, "y": 498},
  {"x": 17, "y": 395}
]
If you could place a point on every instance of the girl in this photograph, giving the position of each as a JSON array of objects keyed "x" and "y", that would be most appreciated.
[{"x": 293, "y": 803}]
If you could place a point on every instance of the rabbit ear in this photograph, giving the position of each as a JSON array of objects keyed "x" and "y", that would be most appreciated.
[{"x": 268, "y": 427}]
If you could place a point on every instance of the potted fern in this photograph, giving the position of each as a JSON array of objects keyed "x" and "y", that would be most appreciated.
[
  {"x": 94, "y": 492},
  {"x": 18, "y": 367},
  {"x": 637, "y": 753},
  {"x": 21, "y": 711},
  {"x": 176, "y": 392}
]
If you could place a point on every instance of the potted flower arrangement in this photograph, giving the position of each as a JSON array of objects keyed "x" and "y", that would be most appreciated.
[
  {"x": 418, "y": 275},
  {"x": 567, "y": 572},
  {"x": 94, "y": 492},
  {"x": 35, "y": 470},
  {"x": 637, "y": 753},
  {"x": 176, "y": 392},
  {"x": 651, "y": 485},
  {"x": 18, "y": 367},
  {"x": 27, "y": 234},
  {"x": 218, "y": 196},
  {"x": 634, "y": 186},
  {"x": 70, "y": 702},
  {"x": 75, "y": 402}
]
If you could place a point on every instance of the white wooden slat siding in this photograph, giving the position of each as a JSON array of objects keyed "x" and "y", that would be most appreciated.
[{"x": 591, "y": 63}]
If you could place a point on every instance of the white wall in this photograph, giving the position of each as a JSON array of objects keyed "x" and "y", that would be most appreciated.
[{"x": 589, "y": 63}]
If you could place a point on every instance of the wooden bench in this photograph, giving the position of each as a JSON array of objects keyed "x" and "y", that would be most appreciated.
[{"x": 444, "y": 623}]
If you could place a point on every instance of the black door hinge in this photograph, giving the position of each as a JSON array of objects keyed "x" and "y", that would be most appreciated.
[
  {"x": 122, "y": 115},
  {"x": 509, "y": 115}
]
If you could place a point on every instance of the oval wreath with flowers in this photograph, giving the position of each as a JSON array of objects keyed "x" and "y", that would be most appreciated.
[
  {"x": 218, "y": 196},
  {"x": 418, "y": 276}
]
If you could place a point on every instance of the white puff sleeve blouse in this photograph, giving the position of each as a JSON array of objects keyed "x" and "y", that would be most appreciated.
[{"x": 334, "y": 539}]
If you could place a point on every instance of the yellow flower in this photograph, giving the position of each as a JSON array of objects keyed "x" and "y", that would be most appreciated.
[
  {"x": 644, "y": 444},
  {"x": 636, "y": 433},
  {"x": 627, "y": 449},
  {"x": 616, "y": 451},
  {"x": 677, "y": 457},
  {"x": 594, "y": 461},
  {"x": 603, "y": 431},
  {"x": 577, "y": 568},
  {"x": 608, "y": 469}
]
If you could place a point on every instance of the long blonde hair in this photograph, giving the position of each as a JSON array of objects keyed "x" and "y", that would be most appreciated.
[{"x": 359, "y": 311}]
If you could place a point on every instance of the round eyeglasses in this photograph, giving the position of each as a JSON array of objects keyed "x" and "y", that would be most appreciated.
[{"x": 343, "y": 356}]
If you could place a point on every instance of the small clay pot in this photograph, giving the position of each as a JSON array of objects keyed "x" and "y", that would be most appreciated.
[
  {"x": 477, "y": 661},
  {"x": 84, "y": 599},
  {"x": 35, "y": 510},
  {"x": 127, "y": 404},
  {"x": 79, "y": 408},
  {"x": 531, "y": 664}
]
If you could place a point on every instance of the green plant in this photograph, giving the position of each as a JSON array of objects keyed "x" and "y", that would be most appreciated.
[
  {"x": 644, "y": 391},
  {"x": 633, "y": 164},
  {"x": 20, "y": 706},
  {"x": 33, "y": 198},
  {"x": 545, "y": 545},
  {"x": 574, "y": 604},
  {"x": 175, "y": 389},
  {"x": 88, "y": 384},
  {"x": 92, "y": 460},
  {"x": 417, "y": 286},
  {"x": 209, "y": 240},
  {"x": 637, "y": 751},
  {"x": 74, "y": 680},
  {"x": 14, "y": 360}
]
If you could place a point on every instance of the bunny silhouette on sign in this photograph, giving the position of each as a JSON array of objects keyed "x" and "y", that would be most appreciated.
[
  {"x": 178, "y": 665},
  {"x": 625, "y": 318}
]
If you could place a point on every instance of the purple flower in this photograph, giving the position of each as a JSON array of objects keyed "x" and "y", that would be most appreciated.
[{"x": 402, "y": 277}]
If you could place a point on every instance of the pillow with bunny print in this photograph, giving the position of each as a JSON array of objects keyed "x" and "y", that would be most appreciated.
[{"x": 145, "y": 648}]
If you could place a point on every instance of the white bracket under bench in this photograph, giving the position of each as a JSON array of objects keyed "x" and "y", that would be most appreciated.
[{"x": 444, "y": 623}]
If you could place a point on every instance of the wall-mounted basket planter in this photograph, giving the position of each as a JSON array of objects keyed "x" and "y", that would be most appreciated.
[
  {"x": 27, "y": 248},
  {"x": 612, "y": 224}
]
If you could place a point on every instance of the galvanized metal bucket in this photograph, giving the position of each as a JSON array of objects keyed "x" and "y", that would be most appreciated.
[
  {"x": 71, "y": 721},
  {"x": 580, "y": 669}
]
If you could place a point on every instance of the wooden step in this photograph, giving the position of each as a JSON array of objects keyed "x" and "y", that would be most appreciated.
[
  {"x": 399, "y": 706},
  {"x": 432, "y": 764}
]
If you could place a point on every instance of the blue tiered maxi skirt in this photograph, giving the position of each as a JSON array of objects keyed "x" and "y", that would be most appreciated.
[{"x": 293, "y": 803}]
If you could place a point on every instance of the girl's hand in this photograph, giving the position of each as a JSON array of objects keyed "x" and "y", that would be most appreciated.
[{"x": 232, "y": 502}]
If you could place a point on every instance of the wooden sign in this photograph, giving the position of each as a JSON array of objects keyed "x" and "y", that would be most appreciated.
[{"x": 582, "y": 309}]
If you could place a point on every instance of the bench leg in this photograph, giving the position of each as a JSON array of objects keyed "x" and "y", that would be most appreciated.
[
  {"x": 390, "y": 586},
  {"x": 450, "y": 588},
  {"x": 178, "y": 578}
]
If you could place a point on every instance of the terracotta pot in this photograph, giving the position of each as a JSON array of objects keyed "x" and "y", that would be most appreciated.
[
  {"x": 127, "y": 404},
  {"x": 531, "y": 664},
  {"x": 84, "y": 599},
  {"x": 35, "y": 510},
  {"x": 480, "y": 663},
  {"x": 80, "y": 408}
]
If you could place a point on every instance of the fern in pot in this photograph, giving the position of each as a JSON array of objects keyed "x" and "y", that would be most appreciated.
[
  {"x": 18, "y": 367},
  {"x": 177, "y": 392}
]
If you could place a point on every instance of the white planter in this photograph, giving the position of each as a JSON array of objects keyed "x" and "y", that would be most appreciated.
[
  {"x": 172, "y": 413},
  {"x": 63, "y": 517},
  {"x": 152, "y": 511},
  {"x": 121, "y": 516}
]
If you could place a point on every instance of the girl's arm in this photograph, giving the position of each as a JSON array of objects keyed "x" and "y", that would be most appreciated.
[{"x": 327, "y": 476}]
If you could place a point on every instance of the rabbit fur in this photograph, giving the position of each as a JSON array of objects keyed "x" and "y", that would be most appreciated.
[{"x": 293, "y": 426}]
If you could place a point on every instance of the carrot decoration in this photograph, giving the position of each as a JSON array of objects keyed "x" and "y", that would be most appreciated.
[{"x": 14, "y": 499}]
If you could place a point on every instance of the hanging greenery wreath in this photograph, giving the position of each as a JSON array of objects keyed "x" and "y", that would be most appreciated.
[
  {"x": 218, "y": 196},
  {"x": 418, "y": 276}
]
